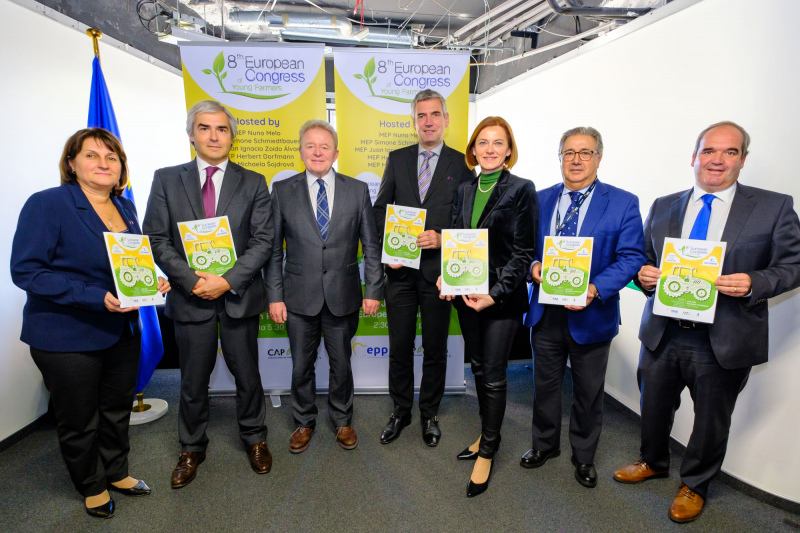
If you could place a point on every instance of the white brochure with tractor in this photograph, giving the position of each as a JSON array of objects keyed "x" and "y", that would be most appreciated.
[
  {"x": 208, "y": 244},
  {"x": 566, "y": 264},
  {"x": 465, "y": 261},
  {"x": 402, "y": 227}
]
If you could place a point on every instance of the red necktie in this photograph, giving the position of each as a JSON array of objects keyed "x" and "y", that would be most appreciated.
[{"x": 209, "y": 193}]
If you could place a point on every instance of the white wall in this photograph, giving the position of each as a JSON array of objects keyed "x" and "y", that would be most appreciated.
[
  {"x": 47, "y": 70},
  {"x": 650, "y": 91}
]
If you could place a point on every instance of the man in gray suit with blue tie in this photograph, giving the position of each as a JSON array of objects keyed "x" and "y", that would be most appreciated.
[
  {"x": 321, "y": 215},
  {"x": 205, "y": 306},
  {"x": 762, "y": 260}
]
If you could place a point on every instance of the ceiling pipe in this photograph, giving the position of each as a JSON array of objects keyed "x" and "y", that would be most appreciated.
[
  {"x": 483, "y": 30},
  {"x": 505, "y": 6},
  {"x": 521, "y": 22},
  {"x": 381, "y": 37},
  {"x": 618, "y": 13}
]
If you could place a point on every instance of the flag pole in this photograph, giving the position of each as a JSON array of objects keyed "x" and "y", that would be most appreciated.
[
  {"x": 140, "y": 406},
  {"x": 95, "y": 34}
]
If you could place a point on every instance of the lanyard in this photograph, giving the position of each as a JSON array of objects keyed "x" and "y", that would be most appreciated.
[{"x": 572, "y": 212}]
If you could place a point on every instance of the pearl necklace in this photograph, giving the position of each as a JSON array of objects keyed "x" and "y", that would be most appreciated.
[{"x": 489, "y": 189}]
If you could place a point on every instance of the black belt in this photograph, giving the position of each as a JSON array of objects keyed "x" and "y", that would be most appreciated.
[{"x": 688, "y": 324}]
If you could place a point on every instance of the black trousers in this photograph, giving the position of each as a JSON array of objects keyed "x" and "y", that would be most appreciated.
[
  {"x": 92, "y": 394},
  {"x": 404, "y": 296},
  {"x": 197, "y": 350},
  {"x": 552, "y": 343},
  {"x": 487, "y": 347},
  {"x": 304, "y": 338},
  {"x": 684, "y": 358}
]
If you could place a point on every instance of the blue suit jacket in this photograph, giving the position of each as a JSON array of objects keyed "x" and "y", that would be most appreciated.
[
  {"x": 60, "y": 260},
  {"x": 614, "y": 220}
]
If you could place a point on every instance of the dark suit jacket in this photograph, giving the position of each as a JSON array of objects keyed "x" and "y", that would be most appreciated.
[
  {"x": 400, "y": 186},
  {"x": 763, "y": 240},
  {"x": 510, "y": 215},
  {"x": 244, "y": 198},
  {"x": 325, "y": 271},
  {"x": 614, "y": 220},
  {"x": 60, "y": 260}
]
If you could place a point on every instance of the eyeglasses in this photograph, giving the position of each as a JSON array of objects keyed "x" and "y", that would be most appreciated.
[{"x": 569, "y": 155}]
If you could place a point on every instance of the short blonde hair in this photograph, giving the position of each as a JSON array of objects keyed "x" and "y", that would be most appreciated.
[{"x": 488, "y": 122}]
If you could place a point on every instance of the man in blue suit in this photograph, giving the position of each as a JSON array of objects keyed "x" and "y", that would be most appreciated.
[{"x": 580, "y": 206}]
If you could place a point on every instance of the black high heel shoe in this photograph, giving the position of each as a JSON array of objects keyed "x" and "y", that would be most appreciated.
[
  {"x": 140, "y": 489},
  {"x": 467, "y": 455},
  {"x": 474, "y": 489},
  {"x": 103, "y": 511}
]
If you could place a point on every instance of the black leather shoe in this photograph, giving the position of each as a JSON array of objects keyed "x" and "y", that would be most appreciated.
[
  {"x": 585, "y": 473},
  {"x": 140, "y": 489},
  {"x": 535, "y": 458},
  {"x": 393, "y": 429},
  {"x": 104, "y": 511},
  {"x": 467, "y": 455},
  {"x": 474, "y": 489},
  {"x": 430, "y": 431}
]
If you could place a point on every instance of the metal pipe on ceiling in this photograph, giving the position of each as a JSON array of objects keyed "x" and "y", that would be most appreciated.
[
  {"x": 483, "y": 30},
  {"x": 383, "y": 37},
  {"x": 505, "y": 6},
  {"x": 618, "y": 13},
  {"x": 519, "y": 22}
]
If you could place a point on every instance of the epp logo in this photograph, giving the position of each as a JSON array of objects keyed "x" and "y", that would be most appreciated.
[{"x": 362, "y": 350}]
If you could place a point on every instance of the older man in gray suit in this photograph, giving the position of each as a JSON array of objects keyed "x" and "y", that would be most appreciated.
[
  {"x": 322, "y": 215},
  {"x": 205, "y": 306}
]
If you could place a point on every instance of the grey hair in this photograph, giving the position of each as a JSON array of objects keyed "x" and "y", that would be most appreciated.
[
  {"x": 323, "y": 125},
  {"x": 209, "y": 106},
  {"x": 745, "y": 136},
  {"x": 582, "y": 130},
  {"x": 423, "y": 95}
]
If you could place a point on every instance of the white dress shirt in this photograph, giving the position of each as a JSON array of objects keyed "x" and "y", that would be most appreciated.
[
  {"x": 216, "y": 178},
  {"x": 313, "y": 189},
  {"x": 720, "y": 208}
]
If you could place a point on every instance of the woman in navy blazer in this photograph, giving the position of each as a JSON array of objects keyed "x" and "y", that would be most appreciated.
[
  {"x": 507, "y": 206},
  {"x": 83, "y": 342}
]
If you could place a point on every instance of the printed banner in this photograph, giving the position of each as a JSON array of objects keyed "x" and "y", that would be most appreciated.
[
  {"x": 134, "y": 270},
  {"x": 208, "y": 244},
  {"x": 566, "y": 265},
  {"x": 403, "y": 226},
  {"x": 270, "y": 88},
  {"x": 374, "y": 90},
  {"x": 465, "y": 261},
  {"x": 686, "y": 289}
]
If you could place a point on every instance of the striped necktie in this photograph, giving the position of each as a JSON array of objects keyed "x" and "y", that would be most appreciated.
[
  {"x": 323, "y": 216},
  {"x": 425, "y": 175}
]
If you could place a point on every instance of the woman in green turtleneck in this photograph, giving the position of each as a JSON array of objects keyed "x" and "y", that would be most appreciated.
[{"x": 507, "y": 206}]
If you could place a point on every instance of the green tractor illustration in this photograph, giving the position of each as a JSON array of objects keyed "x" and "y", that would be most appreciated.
[
  {"x": 206, "y": 253},
  {"x": 682, "y": 281},
  {"x": 399, "y": 236},
  {"x": 562, "y": 271},
  {"x": 461, "y": 262},
  {"x": 131, "y": 273}
]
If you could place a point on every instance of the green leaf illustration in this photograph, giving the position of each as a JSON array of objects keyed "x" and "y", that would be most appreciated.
[
  {"x": 224, "y": 74},
  {"x": 259, "y": 96},
  {"x": 206, "y": 71},
  {"x": 369, "y": 69},
  {"x": 373, "y": 79},
  {"x": 219, "y": 63},
  {"x": 358, "y": 76}
]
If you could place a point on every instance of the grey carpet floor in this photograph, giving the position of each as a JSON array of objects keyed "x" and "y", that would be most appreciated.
[{"x": 404, "y": 486}]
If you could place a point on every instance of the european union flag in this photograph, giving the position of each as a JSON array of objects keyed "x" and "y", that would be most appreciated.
[{"x": 101, "y": 115}]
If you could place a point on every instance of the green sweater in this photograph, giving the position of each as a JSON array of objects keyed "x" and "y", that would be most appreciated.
[{"x": 487, "y": 183}]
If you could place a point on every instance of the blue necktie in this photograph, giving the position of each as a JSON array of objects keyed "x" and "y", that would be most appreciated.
[
  {"x": 700, "y": 227},
  {"x": 323, "y": 217},
  {"x": 570, "y": 229}
]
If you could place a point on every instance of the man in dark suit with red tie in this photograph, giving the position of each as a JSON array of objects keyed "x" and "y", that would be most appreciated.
[
  {"x": 205, "y": 306},
  {"x": 424, "y": 175},
  {"x": 762, "y": 260}
]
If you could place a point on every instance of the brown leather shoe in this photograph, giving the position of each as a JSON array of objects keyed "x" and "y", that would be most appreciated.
[
  {"x": 686, "y": 506},
  {"x": 260, "y": 457},
  {"x": 300, "y": 439},
  {"x": 638, "y": 472},
  {"x": 347, "y": 437},
  {"x": 186, "y": 469}
]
